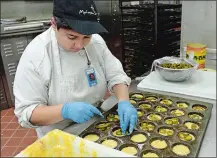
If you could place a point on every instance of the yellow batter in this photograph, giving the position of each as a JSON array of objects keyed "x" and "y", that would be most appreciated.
[
  {"x": 154, "y": 117},
  {"x": 166, "y": 102},
  {"x": 133, "y": 102},
  {"x": 147, "y": 126},
  {"x": 195, "y": 117},
  {"x": 182, "y": 105},
  {"x": 185, "y": 136},
  {"x": 138, "y": 138},
  {"x": 57, "y": 144},
  {"x": 103, "y": 126},
  {"x": 110, "y": 143},
  {"x": 137, "y": 96},
  {"x": 113, "y": 117},
  {"x": 145, "y": 106},
  {"x": 118, "y": 133},
  {"x": 92, "y": 137},
  {"x": 199, "y": 108},
  {"x": 159, "y": 144},
  {"x": 140, "y": 113},
  {"x": 160, "y": 109},
  {"x": 166, "y": 132},
  {"x": 130, "y": 150},
  {"x": 150, "y": 154},
  {"x": 172, "y": 121},
  {"x": 151, "y": 99},
  {"x": 181, "y": 150},
  {"x": 191, "y": 126},
  {"x": 177, "y": 112}
]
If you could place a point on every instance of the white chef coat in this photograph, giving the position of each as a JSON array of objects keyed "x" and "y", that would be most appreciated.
[{"x": 49, "y": 75}]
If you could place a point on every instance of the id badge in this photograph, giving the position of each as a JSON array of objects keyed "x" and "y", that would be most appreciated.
[{"x": 91, "y": 77}]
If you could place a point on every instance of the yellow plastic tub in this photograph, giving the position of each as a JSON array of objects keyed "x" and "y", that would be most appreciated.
[
  {"x": 61, "y": 144},
  {"x": 198, "y": 51}
]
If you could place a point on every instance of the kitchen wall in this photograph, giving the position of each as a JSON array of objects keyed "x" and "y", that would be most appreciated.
[
  {"x": 199, "y": 25},
  {"x": 198, "y": 18},
  {"x": 199, "y": 22},
  {"x": 33, "y": 10}
]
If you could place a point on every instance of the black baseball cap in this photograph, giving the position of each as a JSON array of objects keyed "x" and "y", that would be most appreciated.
[{"x": 80, "y": 15}]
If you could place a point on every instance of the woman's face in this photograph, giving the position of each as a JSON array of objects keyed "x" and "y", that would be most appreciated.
[{"x": 70, "y": 40}]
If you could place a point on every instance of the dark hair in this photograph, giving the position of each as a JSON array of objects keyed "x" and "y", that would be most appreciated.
[{"x": 60, "y": 23}]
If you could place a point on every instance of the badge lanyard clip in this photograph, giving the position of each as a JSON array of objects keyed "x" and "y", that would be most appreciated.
[
  {"x": 88, "y": 60},
  {"x": 90, "y": 73}
]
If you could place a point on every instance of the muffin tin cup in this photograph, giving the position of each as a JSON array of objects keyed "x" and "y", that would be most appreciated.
[
  {"x": 203, "y": 106},
  {"x": 140, "y": 110},
  {"x": 173, "y": 125},
  {"x": 187, "y": 142},
  {"x": 145, "y": 151},
  {"x": 101, "y": 122},
  {"x": 195, "y": 130},
  {"x": 181, "y": 143},
  {"x": 182, "y": 107},
  {"x": 110, "y": 138},
  {"x": 145, "y": 102},
  {"x": 137, "y": 99},
  {"x": 91, "y": 132},
  {"x": 194, "y": 145},
  {"x": 116, "y": 128},
  {"x": 138, "y": 132},
  {"x": 171, "y": 105},
  {"x": 157, "y": 113},
  {"x": 163, "y": 107},
  {"x": 114, "y": 113},
  {"x": 136, "y": 102},
  {"x": 166, "y": 127},
  {"x": 129, "y": 145},
  {"x": 148, "y": 96},
  {"x": 146, "y": 121},
  {"x": 177, "y": 109},
  {"x": 159, "y": 138},
  {"x": 198, "y": 113}
]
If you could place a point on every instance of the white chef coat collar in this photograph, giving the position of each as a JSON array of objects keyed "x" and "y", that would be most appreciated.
[{"x": 57, "y": 47}]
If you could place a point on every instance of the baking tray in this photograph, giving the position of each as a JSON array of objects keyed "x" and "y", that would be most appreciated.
[{"x": 152, "y": 135}]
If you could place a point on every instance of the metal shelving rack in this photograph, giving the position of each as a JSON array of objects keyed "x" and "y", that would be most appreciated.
[{"x": 149, "y": 31}]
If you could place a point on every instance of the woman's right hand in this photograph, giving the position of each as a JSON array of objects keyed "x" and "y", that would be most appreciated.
[{"x": 79, "y": 112}]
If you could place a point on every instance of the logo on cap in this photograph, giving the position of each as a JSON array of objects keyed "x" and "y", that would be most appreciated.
[{"x": 92, "y": 12}]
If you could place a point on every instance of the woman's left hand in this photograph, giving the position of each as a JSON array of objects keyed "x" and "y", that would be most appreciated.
[{"x": 128, "y": 116}]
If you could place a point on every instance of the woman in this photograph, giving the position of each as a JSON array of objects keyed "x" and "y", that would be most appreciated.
[{"x": 66, "y": 69}]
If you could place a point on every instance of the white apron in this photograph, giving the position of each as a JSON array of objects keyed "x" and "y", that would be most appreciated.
[
  {"x": 70, "y": 83},
  {"x": 52, "y": 76}
]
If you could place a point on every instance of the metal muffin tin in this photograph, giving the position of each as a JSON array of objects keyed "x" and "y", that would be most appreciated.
[{"x": 125, "y": 141}]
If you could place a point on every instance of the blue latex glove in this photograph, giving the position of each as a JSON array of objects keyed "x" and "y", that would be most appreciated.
[
  {"x": 79, "y": 112},
  {"x": 128, "y": 116}
]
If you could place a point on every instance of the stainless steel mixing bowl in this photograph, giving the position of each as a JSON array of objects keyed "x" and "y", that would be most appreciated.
[{"x": 175, "y": 75}]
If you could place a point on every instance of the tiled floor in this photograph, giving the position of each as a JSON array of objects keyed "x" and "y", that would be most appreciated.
[{"x": 14, "y": 138}]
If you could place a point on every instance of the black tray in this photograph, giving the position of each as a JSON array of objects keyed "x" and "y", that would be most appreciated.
[{"x": 194, "y": 146}]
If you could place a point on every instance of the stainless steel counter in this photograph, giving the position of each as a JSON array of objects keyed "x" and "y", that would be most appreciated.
[{"x": 208, "y": 148}]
